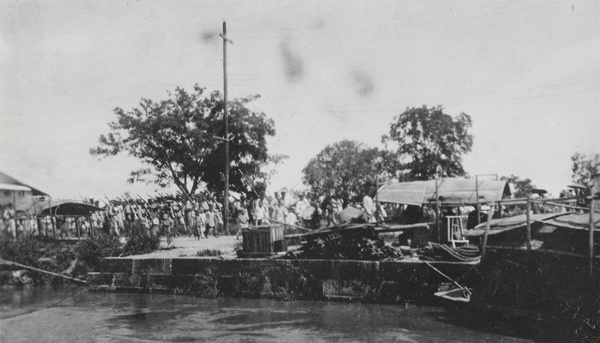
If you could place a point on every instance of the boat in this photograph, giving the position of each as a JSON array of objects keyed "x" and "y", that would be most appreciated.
[{"x": 543, "y": 269}]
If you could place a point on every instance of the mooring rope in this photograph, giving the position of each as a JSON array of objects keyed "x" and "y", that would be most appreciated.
[
  {"x": 449, "y": 278},
  {"x": 441, "y": 252}
]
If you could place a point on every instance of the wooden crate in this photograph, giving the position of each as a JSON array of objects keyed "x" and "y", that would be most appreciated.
[{"x": 262, "y": 239}]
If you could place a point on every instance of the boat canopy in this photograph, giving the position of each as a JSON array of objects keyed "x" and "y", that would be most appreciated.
[
  {"x": 66, "y": 208},
  {"x": 451, "y": 191},
  {"x": 499, "y": 225},
  {"x": 578, "y": 221}
]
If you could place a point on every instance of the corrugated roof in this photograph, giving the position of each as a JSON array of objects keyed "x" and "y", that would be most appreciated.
[
  {"x": 449, "y": 190},
  {"x": 9, "y": 180}
]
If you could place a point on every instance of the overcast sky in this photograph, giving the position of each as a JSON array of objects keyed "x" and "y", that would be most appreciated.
[{"x": 527, "y": 72}]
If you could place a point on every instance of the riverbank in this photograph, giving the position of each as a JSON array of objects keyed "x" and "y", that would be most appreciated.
[
  {"x": 37, "y": 261},
  {"x": 404, "y": 281}
]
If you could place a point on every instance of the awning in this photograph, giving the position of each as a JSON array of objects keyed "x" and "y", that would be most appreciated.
[
  {"x": 500, "y": 225},
  {"x": 67, "y": 208},
  {"x": 408, "y": 193},
  {"x": 451, "y": 191},
  {"x": 577, "y": 221},
  {"x": 9, "y": 187}
]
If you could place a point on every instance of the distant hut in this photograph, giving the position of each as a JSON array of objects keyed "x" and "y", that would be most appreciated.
[{"x": 22, "y": 196}]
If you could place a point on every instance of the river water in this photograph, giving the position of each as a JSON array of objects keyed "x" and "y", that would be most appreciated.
[{"x": 77, "y": 315}]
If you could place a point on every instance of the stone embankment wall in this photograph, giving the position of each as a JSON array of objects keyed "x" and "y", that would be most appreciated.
[{"x": 394, "y": 281}]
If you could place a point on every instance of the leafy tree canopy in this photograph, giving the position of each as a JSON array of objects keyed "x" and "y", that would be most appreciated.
[
  {"x": 178, "y": 140},
  {"x": 584, "y": 168},
  {"x": 347, "y": 170},
  {"x": 426, "y": 143}
]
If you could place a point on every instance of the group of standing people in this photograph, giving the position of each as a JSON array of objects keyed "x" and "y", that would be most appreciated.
[
  {"x": 169, "y": 217},
  {"x": 300, "y": 210},
  {"x": 172, "y": 216},
  {"x": 15, "y": 223}
]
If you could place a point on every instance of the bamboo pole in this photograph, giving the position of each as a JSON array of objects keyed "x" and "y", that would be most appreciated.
[
  {"x": 43, "y": 271},
  {"x": 78, "y": 227},
  {"x": 437, "y": 212},
  {"x": 477, "y": 200},
  {"x": 35, "y": 216},
  {"x": 486, "y": 234},
  {"x": 591, "y": 236},
  {"x": 528, "y": 210},
  {"x": 52, "y": 221},
  {"x": 377, "y": 197}
]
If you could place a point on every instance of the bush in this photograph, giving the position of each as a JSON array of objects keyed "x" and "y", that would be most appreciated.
[
  {"x": 209, "y": 252},
  {"x": 50, "y": 256},
  {"x": 26, "y": 252},
  {"x": 97, "y": 247},
  {"x": 141, "y": 244}
]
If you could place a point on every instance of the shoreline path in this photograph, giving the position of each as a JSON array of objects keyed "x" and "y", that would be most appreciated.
[{"x": 184, "y": 246}]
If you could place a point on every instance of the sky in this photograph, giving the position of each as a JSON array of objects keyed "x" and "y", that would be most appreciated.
[{"x": 527, "y": 72}]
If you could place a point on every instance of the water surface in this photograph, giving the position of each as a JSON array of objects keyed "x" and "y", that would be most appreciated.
[{"x": 77, "y": 315}]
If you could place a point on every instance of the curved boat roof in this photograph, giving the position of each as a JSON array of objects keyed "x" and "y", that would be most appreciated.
[{"x": 451, "y": 191}]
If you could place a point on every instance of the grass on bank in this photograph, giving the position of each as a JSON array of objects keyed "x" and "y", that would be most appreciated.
[{"x": 74, "y": 259}]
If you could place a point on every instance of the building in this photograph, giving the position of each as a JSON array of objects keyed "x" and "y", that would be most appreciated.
[{"x": 16, "y": 192}]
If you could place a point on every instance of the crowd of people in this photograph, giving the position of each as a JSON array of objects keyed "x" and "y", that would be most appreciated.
[
  {"x": 14, "y": 223},
  {"x": 200, "y": 216}
]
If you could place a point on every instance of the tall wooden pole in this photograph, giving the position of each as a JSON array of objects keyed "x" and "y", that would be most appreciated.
[
  {"x": 437, "y": 212},
  {"x": 377, "y": 198},
  {"x": 591, "y": 237},
  {"x": 486, "y": 234},
  {"x": 594, "y": 192},
  {"x": 477, "y": 200},
  {"x": 226, "y": 111},
  {"x": 52, "y": 221},
  {"x": 528, "y": 210}
]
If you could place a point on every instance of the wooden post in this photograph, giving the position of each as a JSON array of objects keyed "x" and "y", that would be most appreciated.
[
  {"x": 591, "y": 241},
  {"x": 477, "y": 200},
  {"x": 226, "y": 115},
  {"x": 35, "y": 216},
  {"x": 437, "y": 212},
  {"x": 52, "y": 218},
  {"x": 377, "y": 197},
  {"x": 527, "y": 209},
  {"x": 78, "y": 227},
  {"x": 15, "y": 214},
  {"x": 91, "y": 226},
  {"x": 485, "y": 235}
]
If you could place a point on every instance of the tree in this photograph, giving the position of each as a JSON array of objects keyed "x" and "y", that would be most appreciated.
[
  {"x": 523, "y": 187},
  {"x": 347, "y": 169},
  {"x": 430, "y": 143},
  {"x": 179, "y": 140},
  {"x": 584, "y": 168}
]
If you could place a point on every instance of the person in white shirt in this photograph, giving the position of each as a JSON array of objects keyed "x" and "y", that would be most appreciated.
[
  {"x": 369, "y": 208},
  {"x": 301, "y": 204}
]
